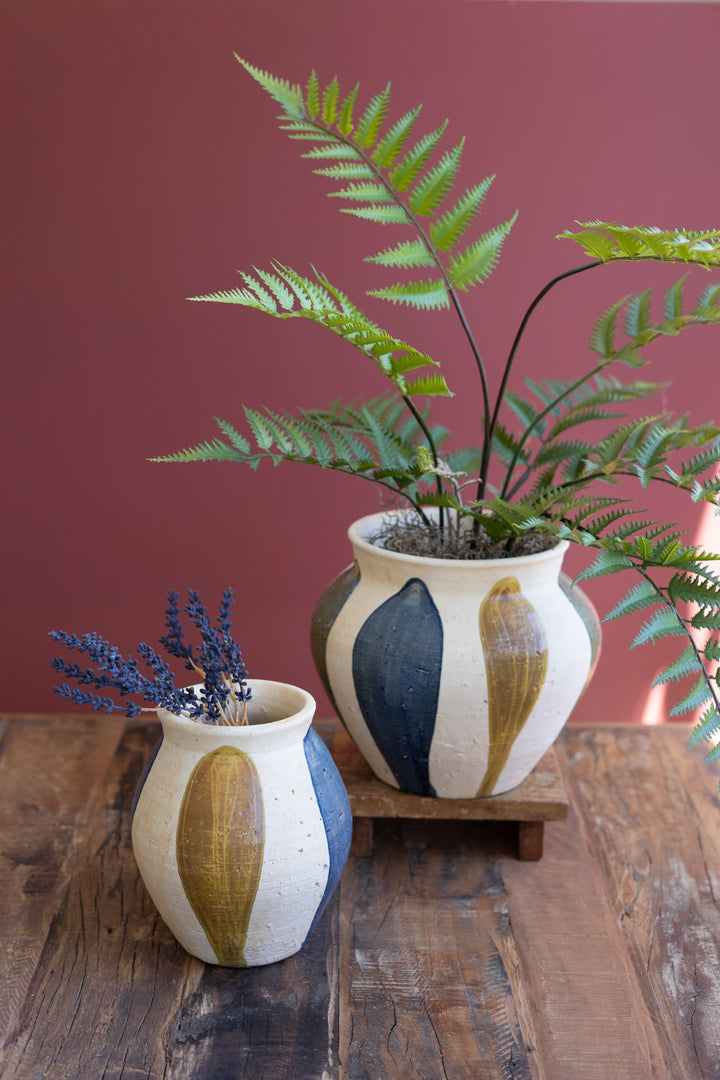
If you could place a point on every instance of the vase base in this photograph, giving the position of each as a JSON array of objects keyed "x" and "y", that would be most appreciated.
[{"x": 539, "y": 798}]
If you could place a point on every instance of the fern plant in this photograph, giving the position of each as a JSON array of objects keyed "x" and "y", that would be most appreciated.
[{"x": 535, "y": 466}]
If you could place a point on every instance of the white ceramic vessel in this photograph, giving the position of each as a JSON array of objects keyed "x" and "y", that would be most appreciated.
[
  {"x": 453, "y": 677},
  {"x": 241, "y": 833}
]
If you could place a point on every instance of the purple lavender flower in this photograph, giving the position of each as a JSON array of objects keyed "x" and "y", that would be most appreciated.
[{"x": 218, "y": 661}]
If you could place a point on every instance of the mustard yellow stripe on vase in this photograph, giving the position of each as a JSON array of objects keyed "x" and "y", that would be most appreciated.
[
  {"x": 516, "y": 660},
  {"x": 220, "y": 845}
]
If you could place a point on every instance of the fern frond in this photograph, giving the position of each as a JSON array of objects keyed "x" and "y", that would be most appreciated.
[
  {"x": 685, "y": 665},
  {"x": 698, "y": 697},
  {"x": 608, "y": 241},
  {"x": 287, "y": 95},
  {"x": 286, "y": 294},
  {"x": 330, "y": 98},
  {"x": 385, "y": 214},
  {"x": 345, "y": 117},
  {"x": 408, "y": 253},
  {"x": 432, "y": 188},
  {"x": 404, "y": 174},
  {"x": 664, "y": 623},
  {"x": 211, "y": 450},
  {"x": 368, "y": 126},
  {"x": 447, "y": 230},
  {"x": 372, "y": 193},
  {"x": 425, "y": 295},
  {"x": 479, "y": 260},
  {"x": 386, "y": 152}
]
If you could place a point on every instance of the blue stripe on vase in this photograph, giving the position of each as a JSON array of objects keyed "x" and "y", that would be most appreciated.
[
  {"x": 143, "y": 777},
  {"x": 335, "y": 811},
  {"x": 396, "y": 664}
]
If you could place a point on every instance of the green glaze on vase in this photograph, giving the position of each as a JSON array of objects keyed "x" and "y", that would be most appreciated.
[
  {"x": 220, "y": 842},
  {"x": 516, "y": 661}
]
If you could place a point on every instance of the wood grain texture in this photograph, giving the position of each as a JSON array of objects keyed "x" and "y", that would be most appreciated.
[
  {"x": 541, "y": 797},
  {"x": 441, "y": 956}
]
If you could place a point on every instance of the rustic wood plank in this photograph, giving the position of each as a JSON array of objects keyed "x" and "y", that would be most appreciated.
[
  {"x": 278, "y": 1022},
  {"x": 49, "y": 776},
  {"x": 539, "y": 798},
  {"x": 110, "y": 974},
  {"x": 530, "y": 840},
  {"x": 579, "y": 1001},
  {"x": 650, "y": 810},
  {"x": 426, "y": 958},
  {"x": 115, "y": 996}
]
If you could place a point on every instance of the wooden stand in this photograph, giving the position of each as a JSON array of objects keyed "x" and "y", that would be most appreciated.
[{"x": 538, "y": 799}]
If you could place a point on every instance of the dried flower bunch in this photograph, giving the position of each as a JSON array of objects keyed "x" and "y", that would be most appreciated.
[{"x": 222, "y": 698}]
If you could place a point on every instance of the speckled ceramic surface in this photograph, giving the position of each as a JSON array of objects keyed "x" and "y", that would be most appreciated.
[
  {"x": 241, "y": 833},
  {"x": 453, "y": 677}
]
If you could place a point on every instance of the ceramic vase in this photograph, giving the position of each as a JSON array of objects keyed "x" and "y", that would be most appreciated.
[
  {"x": 453, "y": 677},
  {"x": 241, "y": 833}
]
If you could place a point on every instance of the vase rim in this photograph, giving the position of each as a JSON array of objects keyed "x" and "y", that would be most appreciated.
[
  {"x": 297, "y": 714},
  {"x": 357, "y": 536}
]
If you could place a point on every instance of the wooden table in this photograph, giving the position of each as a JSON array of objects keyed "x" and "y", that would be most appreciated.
[{"x": 441, "y": 957}]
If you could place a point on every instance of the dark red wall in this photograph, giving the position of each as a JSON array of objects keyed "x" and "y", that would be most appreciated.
[{"x": 142, "y": 166}]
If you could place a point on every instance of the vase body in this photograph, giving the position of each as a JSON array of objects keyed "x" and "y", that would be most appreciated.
[
  {"x": 241, "y": 833},
  {"x": 453, "y": 677}
]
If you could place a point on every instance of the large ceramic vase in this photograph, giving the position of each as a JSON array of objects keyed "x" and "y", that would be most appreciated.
[
  {"x": 241, "y": 833},
  {"x": 453, "y": 677}
]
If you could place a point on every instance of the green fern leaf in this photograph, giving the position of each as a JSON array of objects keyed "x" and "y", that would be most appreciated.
[
  {"x": 525, "y": 411},
  {"x": 289, "y": 97},
  {"x": 708, "y": 300},
  {"x": 429, "y": 386},
  {"x": 350, "y": 170},
  {"x": 430, "y": 191},
  {"x": 479, "y": 260},
  {"x": 236, "y": 439},
  {"x": 446, "y": 231},
  {"x": 707, "y": 728},
  {"x": 312, "y": 95},
  {"x": 408, "y": 253},
  {"x": 664, "y": 623},
  {"x": 388, "y": 150},
  {"x": 699, "y": 696},
  {"x": 403, "y": 175},
  {"x": 212, "y": 450},
  {"x": 637, "y": 317},
  {"x": 673, "y": 302},
  {"x": 607, "y": 562},
  {"x": 608, "y": 241},
  {"x": 685, "y": 665},
  {"x": 368, "y": 127},
  {"x": 425, "y": 295},
  {"x": 594, "y": 243},
  {"x": 345, "y": 119},
  {"x": 602, "y": 340},
  {"x": 330, "y": 98},
  {"x": 369, "y": 192},
  {"x": 382, "y": 215},
  {"x": 332, "y": 150}
]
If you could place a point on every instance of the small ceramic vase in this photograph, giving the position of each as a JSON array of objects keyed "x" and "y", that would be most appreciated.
[
  {"x": 453, "y": 677},
  {"x": 241, "y": 833}
]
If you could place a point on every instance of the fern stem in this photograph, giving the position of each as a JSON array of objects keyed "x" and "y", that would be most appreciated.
[
  {"x": 482, "y": 483},
  {"x": 660, "y": 592},
  {"x": 420, "y": 420},
  {"x": 452, "y": 294},
  {"x": 526, "y": 434}
]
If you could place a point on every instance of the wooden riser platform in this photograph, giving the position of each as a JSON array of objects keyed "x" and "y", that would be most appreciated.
[{"x": 538, "y": 799}]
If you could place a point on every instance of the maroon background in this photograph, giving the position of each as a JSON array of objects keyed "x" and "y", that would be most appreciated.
[{"x": 142, "y": 166}]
